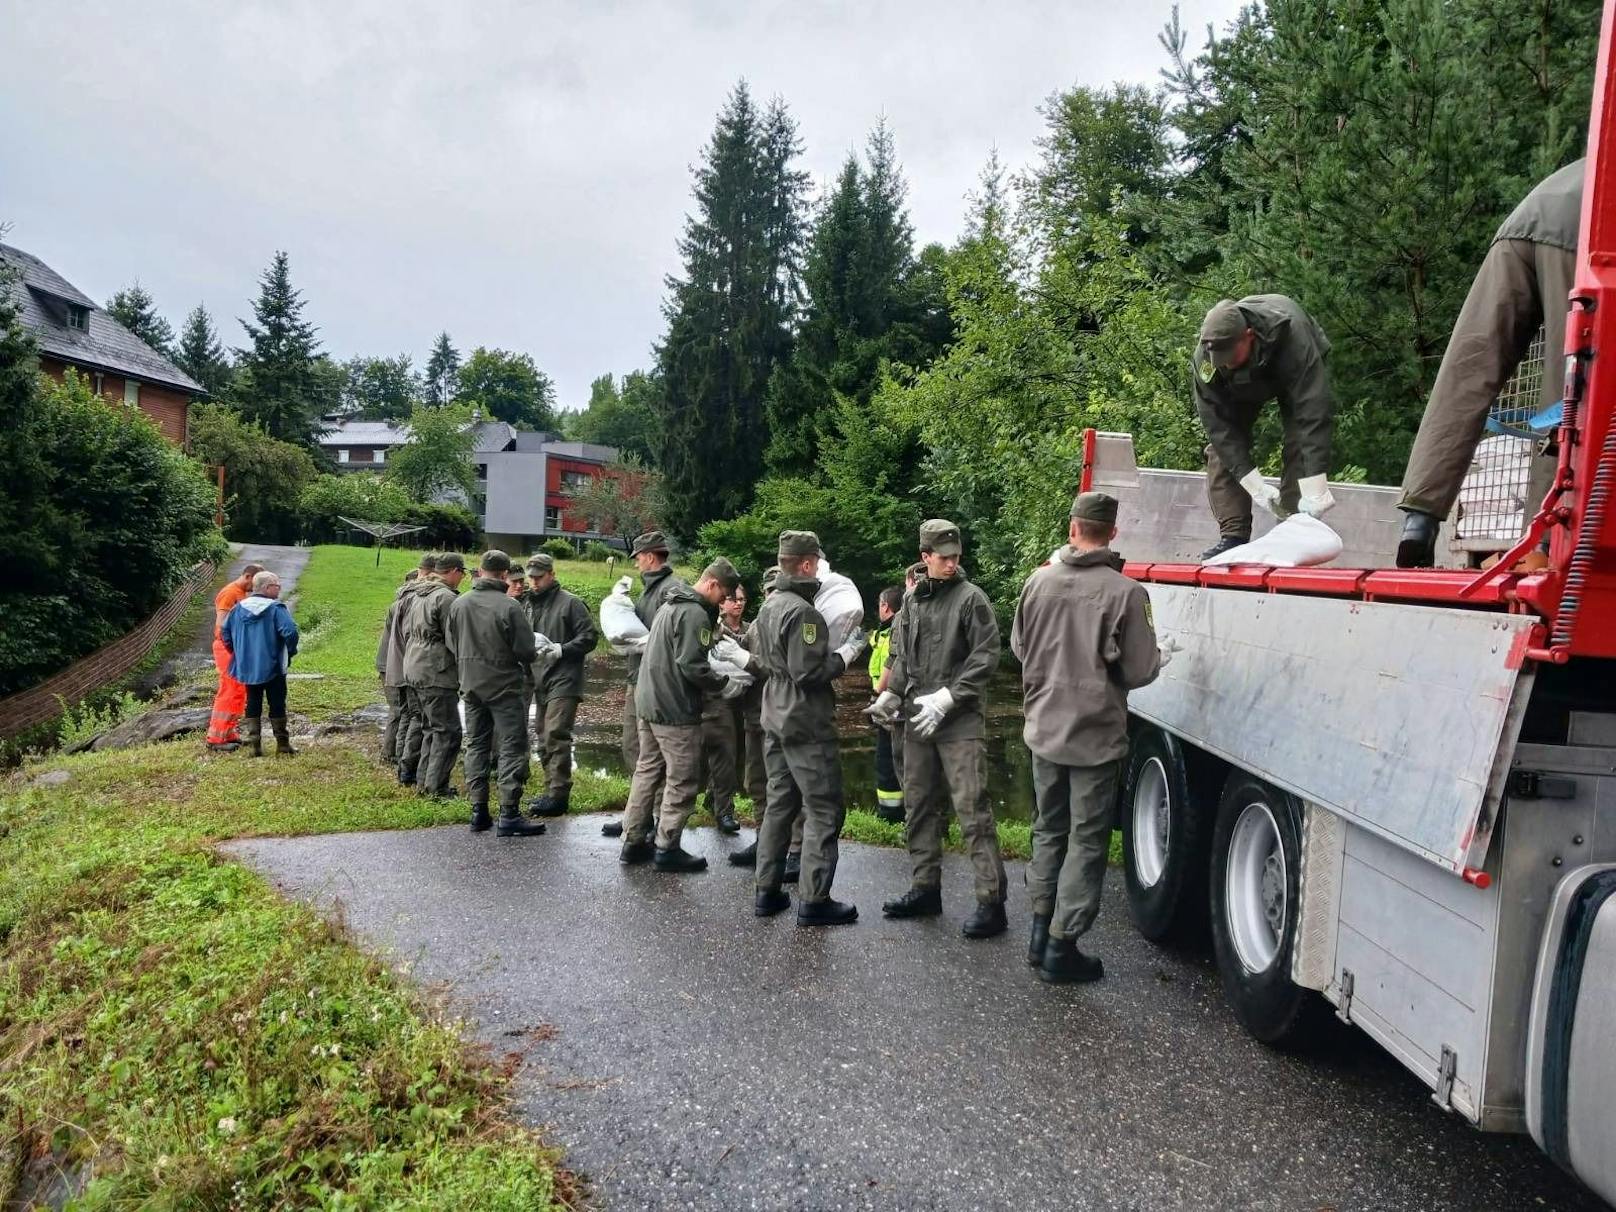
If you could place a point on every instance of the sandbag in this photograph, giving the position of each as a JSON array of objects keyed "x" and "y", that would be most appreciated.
[
  {"x": 839, "y": 604},
  {"x": 618, "y": 622},
  {"x": 1300, "y": 541}
]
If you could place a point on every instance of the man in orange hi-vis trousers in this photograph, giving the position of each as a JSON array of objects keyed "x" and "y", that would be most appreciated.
[{"x": 231, "y": 699}]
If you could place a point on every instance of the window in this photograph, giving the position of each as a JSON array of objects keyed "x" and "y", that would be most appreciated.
[
  {"x": 482, "y": 471},
  {"x": 552, "y": 517},
  {"x": 78, "y": 316},
  {"x": 100, "y": 383},
  {"x": 131, "y": 393},
  {"x": 342, "y": 455},
  {"x": 574, "y": 481},
  {"x": 380, "y": 455}
]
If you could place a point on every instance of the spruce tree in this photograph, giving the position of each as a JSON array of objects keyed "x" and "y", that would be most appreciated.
[
  {"x": 442, "y": 379},
  {"x": 279, "y": 383},
  {"x": 200, "y": 353},
  {"x": 134, "y": 308},
  {"x": 730, "y": 312}
]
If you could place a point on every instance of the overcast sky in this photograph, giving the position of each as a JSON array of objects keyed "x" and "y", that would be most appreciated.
[{"x": 514, "y": 173}]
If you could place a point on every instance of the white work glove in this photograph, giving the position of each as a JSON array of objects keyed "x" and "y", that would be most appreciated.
[
  {"x": 726, "y": 649},
  {"x": 934, "y": 708},
  {"x": 630, "y": 647},
  {"x": 1167, "y": 648},
  {"x": 1316, "y": 497},
  {"x": 884, "y": 711},
  {"x": 1262, "y": 492},
  {"x": 736, "y": 684},
  {"x": 624, "y": 584},
  {"x": 849, "y": 651}
]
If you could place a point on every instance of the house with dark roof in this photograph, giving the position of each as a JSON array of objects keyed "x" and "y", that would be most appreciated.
[
  {"x": 523, "y": 476},
  {"x": 71, "y": 331}
]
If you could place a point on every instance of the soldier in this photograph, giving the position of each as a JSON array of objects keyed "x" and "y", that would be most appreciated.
[
  {"x": 516, "y": 582},
  {"x": 722, "y": 727},
  {"x": 1084, "y": 637},
  {"x": 487, "y": 633},
  {"x": 411, "y": 724},
  {"x": 657, "y": 579},
  {"x": 390, "y": 666},
  {"x": 429, "y": 669},
  {"x": 1264, "y": 347},
  {"x": 569, "y": 633},
  {"x": 942, "y": 658},
  {"x": 1523, "y": 283},
  {"x": 674, "y": 675},
  {"x": 799, "y": 736}
]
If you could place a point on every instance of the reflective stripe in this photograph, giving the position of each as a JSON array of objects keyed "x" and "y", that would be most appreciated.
[{"x": 889, "y": 799}]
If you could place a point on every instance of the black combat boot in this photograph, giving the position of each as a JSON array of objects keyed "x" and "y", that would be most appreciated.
[
  {"x": 546, "y": 805},
  {"x": 1039, "y": 939},
  {"x": 406, "y": 776},
  {"x": 612, "y": 829},
  {"x": 1227, "y": 543},
  {"x": 769, "y": 902},
  {"x": 826, "y": 913},
  {"x": 1064, "y": 964},
  {"x": 252, "y": 733},
  {"x": 678, "y": 859},
  {"x": 513, "y": 824},
  {"x": 481, "y": 822},
  {"x": 727, "y": 822},
  {"x": 634, "y": 853},
  {"x": 744, "y": 858},
  {"x": 793, "y": 871},
  {"x": 283, "y": 741},
  {"x": 1417, "y": 546},
  {"x": 917, "y": 902},
  {"x": 987, "y": 921}
]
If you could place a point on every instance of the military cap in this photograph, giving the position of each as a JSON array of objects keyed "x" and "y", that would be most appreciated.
[
  {"x": 1095, "y": 507},
  {"x": 543, "y": 562},
  {"x": 722, "y": 571},
  {"x": 515, "y": 572},
  {"x": 941, "y": 536},
  {"x": 770, "y": 576},
  {"x": 1223, "y": 327},
  {"x": 495, "y": 560},
  {"x": 795, "y": 544},
  {"x": 651, "y": 540},
  {"x": 451, "y": 560}
]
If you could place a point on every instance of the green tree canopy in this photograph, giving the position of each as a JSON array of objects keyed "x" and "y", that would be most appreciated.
[
  {"x": 380, "y": 389},
  {"x": 134, "y": 308},
  {"x": 264, "y": 477},
  {"x": 435, "y": 461},
  {"x": 201, "y": 355},
  {"x": 442, "y": 379},
  {"x": 507, "y": 387},
  {"x": 278, "y": 382},
  {"x": 624, "y": 417}
]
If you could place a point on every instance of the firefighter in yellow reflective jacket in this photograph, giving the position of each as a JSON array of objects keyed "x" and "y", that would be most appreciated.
[{"x": 888, "y": 749}]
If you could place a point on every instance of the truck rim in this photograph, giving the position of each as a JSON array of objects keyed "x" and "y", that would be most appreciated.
[
  {"x": 1152, "y": 817},
  {"x": 1255, "y": 887}
]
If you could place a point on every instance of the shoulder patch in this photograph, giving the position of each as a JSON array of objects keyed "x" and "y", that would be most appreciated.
[
  {"x": 1206, "y": 370},
  {"x": 1150, "y": 614},
  {"x": 706, "y": 637},
  {"x": 810, "y": 633}
]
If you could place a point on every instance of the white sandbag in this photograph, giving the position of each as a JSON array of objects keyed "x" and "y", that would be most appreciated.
[
  {"x": 1300, "y": 541},
  {"x": 839, "y": 604},
  {"x": 618, "y": 622}
]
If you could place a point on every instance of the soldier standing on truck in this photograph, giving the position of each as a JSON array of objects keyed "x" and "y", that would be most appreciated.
[
  {"x": 1523, "y": 284},
  {"x": 1084, "y": 636},
  {"x": 1251, "y": 351}
]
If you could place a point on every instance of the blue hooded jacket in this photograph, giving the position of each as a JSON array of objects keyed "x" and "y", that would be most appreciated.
[{"x": 261, "y": 637}]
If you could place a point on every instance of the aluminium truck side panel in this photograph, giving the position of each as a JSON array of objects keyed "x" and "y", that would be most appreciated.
[{"x": 1398, "y": 718}]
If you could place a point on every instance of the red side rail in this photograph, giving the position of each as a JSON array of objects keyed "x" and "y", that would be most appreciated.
[{"x": 1435, "y": 586}]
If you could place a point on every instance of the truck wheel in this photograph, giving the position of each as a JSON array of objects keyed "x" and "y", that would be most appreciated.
[
  {"x": 1164, "y": 828},
  {"x": 1256, "y": 865}
]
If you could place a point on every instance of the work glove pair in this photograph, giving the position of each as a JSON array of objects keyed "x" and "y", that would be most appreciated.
[
  {"x": 1315, "y": 493},
  {"x": 548, "y": 652},
  {"x": 727, "y": 649},
  {"x": 932, "y": 709},
  {"x": 884, "y": 711},
  {"x": 736, "y": 684}
]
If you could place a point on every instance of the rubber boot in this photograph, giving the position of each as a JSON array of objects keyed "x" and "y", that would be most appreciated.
[
  {"x": 481, "y": 822},
  {"x": 917, "y": 902},
  {"x": 1064, "y": 964},
  {"x": 283, "y": 741},
  {"x": 1227, "y": 543},
  {"x": 512, "y": 824},
  {"x": 1040, "y": 938},
  {"x": 987, "y": 922},
  {"x": 1417, "y": 546},
  {"x": 252, "y": 733}
]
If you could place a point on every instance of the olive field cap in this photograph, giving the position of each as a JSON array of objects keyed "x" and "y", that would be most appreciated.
[
  {"x": 722, "y": 571},
  {"x": 1095, "y": 507},
  {"x": 941, "y": 536},
  {"x": 451, "y": 560},
  {"x": 651, "y": 540},
  {"x": 770, "y": 576},
  {"x": 1222, "y": 329},
  {"x": 495, "y": 560},
  {"x": 543, "y": 562},
  {"x": 796, "y": 544},
  {"x": 515, "y": 572}
]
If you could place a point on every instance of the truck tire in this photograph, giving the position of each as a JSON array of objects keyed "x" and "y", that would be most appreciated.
[
  {"x": 1164, "y": 834},
  {"x": 1256, "y": 864}
]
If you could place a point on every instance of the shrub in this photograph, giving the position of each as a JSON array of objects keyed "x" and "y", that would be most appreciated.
[
  {"x": 597, "y": 552},
  {"x": 363, "y": 496},
  {"x": 264, "y": 477},
  {"x": 559, "y": 549},
  {"x": 90, "y": 718},
  {"x": 448, "y": 528}
]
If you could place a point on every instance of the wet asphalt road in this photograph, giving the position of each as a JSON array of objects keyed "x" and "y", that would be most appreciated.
[{"x": 688, "y": 1055}]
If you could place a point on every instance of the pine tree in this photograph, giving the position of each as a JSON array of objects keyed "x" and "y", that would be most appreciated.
[
  {"x": 442, "y": 379},
  {"x": 134, "y": 308},
  {"x": 200, "y": 353},
  {"x": 731, "y": 311},
  {"x": 279, "y": 383}
]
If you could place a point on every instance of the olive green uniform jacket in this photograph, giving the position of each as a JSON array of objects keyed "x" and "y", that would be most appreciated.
[
  {"x": 675, "y": 672},
  {"x": 657, "y": 586},
  {"x": 428, "y": 663},
  {"x": 946, "y": 635},
  {"x": 1084, "y": 636},
  {"x": 488, "y": 634},
  {"x": 561, "y": 616},
  {"x": 791, "y": 640},
  {"x": 1287, "y": 365}
]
